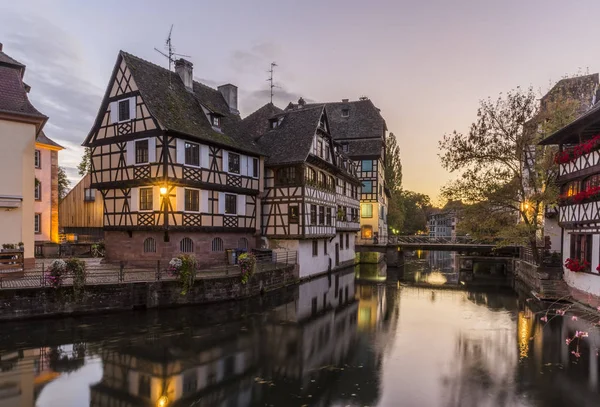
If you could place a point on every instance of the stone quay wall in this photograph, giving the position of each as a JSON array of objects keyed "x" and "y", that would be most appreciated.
[{"x": 21, "y": 303}]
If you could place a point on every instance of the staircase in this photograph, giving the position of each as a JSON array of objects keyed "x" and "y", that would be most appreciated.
[{"x": 546, "y": 283}]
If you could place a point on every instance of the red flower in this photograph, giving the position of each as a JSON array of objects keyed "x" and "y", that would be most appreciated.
[{"x": 575, "y": 265}]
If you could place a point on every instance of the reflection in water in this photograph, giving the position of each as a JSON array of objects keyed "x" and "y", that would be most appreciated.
[
  {"x": 328, "y": 342},
  {"x": 431, "y": 267}
]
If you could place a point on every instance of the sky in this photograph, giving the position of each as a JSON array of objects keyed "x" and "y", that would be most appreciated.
[{"x": 425, "y": 64}]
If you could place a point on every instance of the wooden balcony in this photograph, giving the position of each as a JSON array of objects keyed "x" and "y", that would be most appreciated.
[
  {"x": 585, "y": 165},
  {"x": 582, "y": 213}
]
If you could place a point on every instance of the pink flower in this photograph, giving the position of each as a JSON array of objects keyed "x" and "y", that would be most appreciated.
[
  {"x": 560, "y": 312},
  {"x": 581, "y": 334},
  {"x": 577, "y": 354},
  {"x": 544, "y": 318},
  {"x": 573, "y": 318},
  {"x": 598, "y": 308},
  {"x": 568, "y": 341}
]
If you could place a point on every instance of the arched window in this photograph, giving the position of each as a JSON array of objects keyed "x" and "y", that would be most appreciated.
[
  {"x": 591, "y": 182},
  {"x": 217, "y": 244},
  {"x": 149, "y": 245},
  {"x": 242, "y": 243},
  {"x": 571, "y": 188},
  {"x": 186, "y": 245}
]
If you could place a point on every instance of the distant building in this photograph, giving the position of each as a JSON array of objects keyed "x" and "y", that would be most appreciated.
[
  {"x": 443, "y": 222},
  {"x": 81, "y": 212},
  {"x": 20, "y": 125}
]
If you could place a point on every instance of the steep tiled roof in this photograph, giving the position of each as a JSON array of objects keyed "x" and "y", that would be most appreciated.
[
  {"x": 291, "y": 141},
  {"x": 364, "y": 147},
  {"x": 13, "y": 97},
  {"x": 43, "y": 139},
  {"x": 257, "y": 123},
  {"x": 6, "y": 60},
  {"x": 180, "y": 111}
]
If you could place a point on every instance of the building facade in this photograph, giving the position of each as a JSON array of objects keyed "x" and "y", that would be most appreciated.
[
  {"x": 174, "y": 173},
  {"x": 578, "y": 163},
  {"x": 46, "y": 190},
  {"x": 81, "y": 212},
  {"x": 20, "y": 124},
  {"x": 442, "y": 223}
]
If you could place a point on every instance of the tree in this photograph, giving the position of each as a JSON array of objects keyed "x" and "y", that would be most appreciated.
[
  {"x": 416, "y": 208},
  {"x": 63, "y": 183},
  {"x": 393, "y": 180},
  {"x": 85, "y": 166},
  {"x": 505, "y": 175}
]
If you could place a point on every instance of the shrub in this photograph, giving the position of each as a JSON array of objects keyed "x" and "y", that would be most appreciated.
[
  {"x": 55, "y": 273},
  {"x": 247, "y": 262},
  {"x": 184, "y": 268}
]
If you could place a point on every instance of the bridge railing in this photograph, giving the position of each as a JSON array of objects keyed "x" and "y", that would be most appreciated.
[{"x": 425, "y": 239}]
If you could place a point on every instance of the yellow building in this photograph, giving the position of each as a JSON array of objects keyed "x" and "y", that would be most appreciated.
[{"x": 20, "y": 123}]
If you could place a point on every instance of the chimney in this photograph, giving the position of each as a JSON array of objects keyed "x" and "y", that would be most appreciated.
[
  {"x": 345, "y": 100},
  {"x": 301, "y": 102},
  {"x": 0, "y": 47},
  {"x": 229, "y": 93},
  {"x": 185, "y": 70}
]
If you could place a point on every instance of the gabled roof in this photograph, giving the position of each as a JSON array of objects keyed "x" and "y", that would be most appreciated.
[
  {"x": 290, "y": 142},
  {"x": 8, "y": 61},
  {"x": 43, "y": 139},
  {"x": 364, "y": 147},
  {"x": 257, "y": 123},
  {"x": 178, "y": 110}
]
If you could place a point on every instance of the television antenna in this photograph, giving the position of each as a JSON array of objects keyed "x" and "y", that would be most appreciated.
[
  {"x": 171, "y": 54},
  {"x": 270, "y": 79}
]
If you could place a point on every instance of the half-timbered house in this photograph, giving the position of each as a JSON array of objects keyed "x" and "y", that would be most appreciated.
[
  {"x": 578, "y": 162},
  {"x": 174, "y": 174},
  {"x": 360, "y": 129},
  {"x": 311, "y": 200}
]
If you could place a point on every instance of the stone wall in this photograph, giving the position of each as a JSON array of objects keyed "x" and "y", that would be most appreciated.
[
  {"x": 44, "y": 302},
  {"x": 547, "y": 282},
  {"x": 122, "y": 246}
]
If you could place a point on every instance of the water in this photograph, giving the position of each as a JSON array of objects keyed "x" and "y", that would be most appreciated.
[{"x": 328, "y": 342}]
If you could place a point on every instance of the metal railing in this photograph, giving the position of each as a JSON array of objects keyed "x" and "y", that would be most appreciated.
[
  {"x": 11, "y": 261},
  {"x": 450, "y": 240},
  {"x": 98, "y": 273}
]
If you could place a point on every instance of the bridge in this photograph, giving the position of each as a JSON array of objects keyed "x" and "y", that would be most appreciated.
[{"x": 425, "y": 242}]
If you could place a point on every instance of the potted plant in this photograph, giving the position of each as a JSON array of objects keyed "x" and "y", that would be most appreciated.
[
  {"x": 183, "y": 267},
  {"x": 247, "y": 262},
  {"x": 21, "y": 246}
]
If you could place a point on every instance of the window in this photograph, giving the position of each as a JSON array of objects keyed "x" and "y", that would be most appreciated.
[
  {"x": 286, "y": 176},
  {"x": 37, "y": 192},
  {"x": 320, "y": 147},
  {"x": 341, "y": 241},
  {"x": 186, "y": 245},
  {"x": 367, "y": 187},
  {"x": 328, "y": 217},
  {"x": 311, "y": 175},
  {"x": 231, "y": 204},
  {"x": 216, "y": 121},
  {"x": 37, "y": 223},
  {"x": 347, "y": 240},
  {"x": 273, "y": 123},
  {"x": 124, "y": 110},
  {"x": 149, "y": 245},
  {"x": 190, "y": 382},
  {"x": 192, "y": 154},
  {"x": 217, "y": 244},
  {"x": 344, "y": 186},
  {"x": 89, "y": 194},
  {"x": 367, "y": 165},
  {"x": 571, "y": 188},
  {"x": 293, "y": 213},
  {"x": 255, "y": 167},
  {"x": 591, "y": 182},
  {"x": 345, "y": 147},
  {"x": 366, "y": 232},
  {"x": 242, "y": 243},
  {"x": 321, "y": 179},
  {"x": 581, "y": 247},
  {"x": 192, "y": 200},
  {"x": 234, "y": 163},
  {"x": 325, "y": 246},
  {"x": 146, "y": 199},
  {"x": 366, "y": 210},
  {"x": 141, "y": 151},
  {"x": 37, "y": 159},
  {"x": 345, "y": 112},
  {"x": 315, "y": 248},
  {"x": 313, "y": 214},
  {"x": 144, "y": 386},
  {"x": 321, "y": 215}
]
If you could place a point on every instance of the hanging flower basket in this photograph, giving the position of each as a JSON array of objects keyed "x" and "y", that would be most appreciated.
[
  {"x": 577, "y": 151},
  {"x": 247, "y": 262},
  {"x": 55, "y": 273},
  {"x": 184, "y": 268},
  {"x": 576, "y": 266}
]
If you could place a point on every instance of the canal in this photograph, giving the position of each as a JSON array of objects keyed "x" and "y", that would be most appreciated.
[{"x": 334, "y": 341}]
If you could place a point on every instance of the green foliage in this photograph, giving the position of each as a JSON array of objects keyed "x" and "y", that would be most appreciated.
[
  {"x": 77, "y": 269},
  {"x": 416, "y": 208},
  {"x": 393, "y": 180},
  {"x": 85, "y": 166},
  {"x": 184, "y": 268},
  {"x": 63, "y": 183},
  {"x": 247, "y": 262},
  {"x": 98, "y": 249}
]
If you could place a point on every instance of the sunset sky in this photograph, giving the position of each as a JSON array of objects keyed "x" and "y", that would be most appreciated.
[{"x": 425, "y": 64}]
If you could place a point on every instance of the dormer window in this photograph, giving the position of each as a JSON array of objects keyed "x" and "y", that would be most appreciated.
[
  {"x": 345, "y": 147},
  {"x": 273, "y": 123},
  {"x": 123, "y": 110},
  {"x": 345, "y": 112},
  {"x": 216, "y": 120}
]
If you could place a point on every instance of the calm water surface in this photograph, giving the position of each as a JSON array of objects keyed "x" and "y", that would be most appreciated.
[{"x": 328, "y": 342}]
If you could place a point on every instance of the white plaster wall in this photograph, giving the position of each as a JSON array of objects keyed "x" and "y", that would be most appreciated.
[
  {"x": 17, "y": 179},
  {"x": 323, "y": 287},
  {"x": 589, "y": 283},
  {"x": 44, "y": 175},
  {"x": 345, "y": 254}
]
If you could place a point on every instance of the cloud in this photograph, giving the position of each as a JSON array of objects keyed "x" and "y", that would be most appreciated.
[
  {"x": 255, "y": 60},
  {"x": 250, "y": 101},
  {"x": 56, "y": 73}
]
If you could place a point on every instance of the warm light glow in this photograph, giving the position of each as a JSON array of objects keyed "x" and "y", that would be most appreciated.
[
  {"x": 164, "y": 400},
  {"x": 163, "y": 190},
  {"x": 524, "y": 326}
]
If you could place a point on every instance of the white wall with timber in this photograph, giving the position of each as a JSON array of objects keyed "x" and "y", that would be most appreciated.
[{"x": 587, "y": 282}]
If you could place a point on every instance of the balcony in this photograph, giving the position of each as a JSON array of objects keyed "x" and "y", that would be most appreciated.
[
  {"x": 586, "y": 212},
  {"x": 584, "y": 162},
  {"x": 347, "y": 223}
]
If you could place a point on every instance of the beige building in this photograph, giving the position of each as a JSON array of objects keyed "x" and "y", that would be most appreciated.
[
  {"x": 20, "y": 123},
  {"x": 45, "y": 194}
]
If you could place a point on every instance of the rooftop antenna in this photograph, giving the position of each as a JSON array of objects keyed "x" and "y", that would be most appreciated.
[
  {"x": 273, "y": 65},
  {"x": 170, "y": 51}
]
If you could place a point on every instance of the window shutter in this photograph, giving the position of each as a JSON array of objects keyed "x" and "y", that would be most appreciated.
[
  {"x": 204, "y": 156},
  {"x": 180, "y": 151},
  {"x": 114, "y": 112},
  {"x": 221, "y": 202},
  {"x": 180, "y": 199},
  {"x": 225, "y": 160},
  {"x": 156, "y": 198},
  {"x": 241, "y": 204},
  {"x": 152, "y": 149},
  {"x": 132, "y": 108},
  {"x": 204, "y": 202},
  {"x": 244, "y": 165},
  {"x": 130, "y": 152},
  {"x": 134, "y": 203}
]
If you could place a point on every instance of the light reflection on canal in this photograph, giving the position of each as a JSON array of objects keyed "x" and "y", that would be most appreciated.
[{"x": 328, "y": 342}]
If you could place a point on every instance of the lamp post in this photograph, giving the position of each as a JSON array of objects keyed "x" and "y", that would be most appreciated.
[{"x": 163, "y": 193}]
